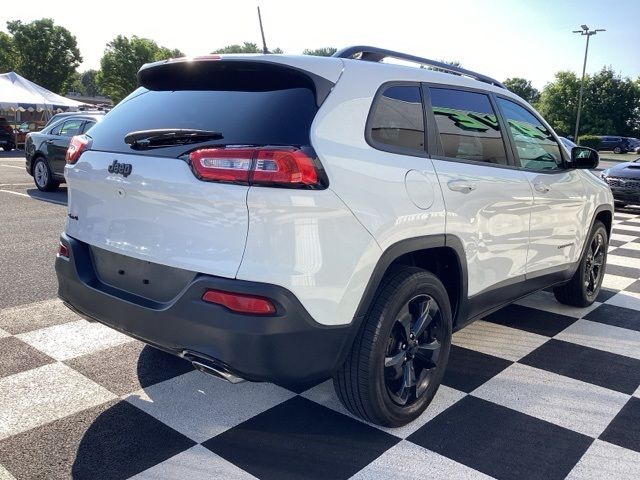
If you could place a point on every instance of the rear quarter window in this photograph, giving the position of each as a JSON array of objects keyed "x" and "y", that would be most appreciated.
[{"x": 396, "y": 120}]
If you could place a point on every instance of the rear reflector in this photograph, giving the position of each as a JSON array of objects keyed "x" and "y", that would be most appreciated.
[
  {"x": 63, "y": 251},
  {"x": 79, "y": 144},
  {"x": 240, "y": 303},
  {"x": 284, "y": 166}
]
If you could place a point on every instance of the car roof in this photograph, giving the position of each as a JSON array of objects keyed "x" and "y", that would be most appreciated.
[{"x": 327, "y": 66}]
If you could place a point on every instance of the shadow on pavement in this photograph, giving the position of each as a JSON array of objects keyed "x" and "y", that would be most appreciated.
[
  {"x": 58, "y": 197},
  {"x": 122, "y": 440}
]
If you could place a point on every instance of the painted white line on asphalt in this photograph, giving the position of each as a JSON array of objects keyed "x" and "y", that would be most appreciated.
[
  {"x": 57, "y": 202},
  {"x": 11, "y": 166},
  {"x": 16, "y": 185}
]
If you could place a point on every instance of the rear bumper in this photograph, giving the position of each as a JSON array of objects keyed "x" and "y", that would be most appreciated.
[{"x": 286, "y": 347}]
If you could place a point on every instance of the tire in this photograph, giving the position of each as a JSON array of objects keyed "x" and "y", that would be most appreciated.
[
  {"x": 581, "y": 290},
  {"x": 371, "y": 382},
  {"x": 43, "y": 177},
  {"x": 617, "y": 150}
]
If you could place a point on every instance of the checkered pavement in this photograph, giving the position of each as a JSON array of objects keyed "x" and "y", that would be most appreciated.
[{"x": 535, "y": 390}]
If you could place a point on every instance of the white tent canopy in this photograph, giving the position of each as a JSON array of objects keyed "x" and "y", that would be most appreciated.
[{"x": 19, "y": 94}]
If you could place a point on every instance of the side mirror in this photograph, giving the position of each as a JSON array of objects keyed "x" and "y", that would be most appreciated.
[{"x": 584, "y": 157}]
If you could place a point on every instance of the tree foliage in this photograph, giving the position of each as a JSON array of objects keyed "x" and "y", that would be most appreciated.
[
  {"x": 7, "y": 54},
  {"x": 246, "y": 47},
  {"x": 41, "y": 51},
  {"x": 85, "y": 84},
  {"x": 610, "y": 104},
  {"x": 121, "y": 61},
  {"x": 523, "y": 88},
  {"x": 320, "y": 52}
]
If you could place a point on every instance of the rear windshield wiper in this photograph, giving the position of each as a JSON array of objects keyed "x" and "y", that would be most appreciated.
[{"x": 169, "y": 136}]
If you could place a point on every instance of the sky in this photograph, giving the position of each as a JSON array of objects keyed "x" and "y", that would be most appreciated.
[{"x": 499, "y": 38}]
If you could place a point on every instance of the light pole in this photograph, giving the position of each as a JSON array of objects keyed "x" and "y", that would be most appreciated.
[{"x": 585, "y": 32}]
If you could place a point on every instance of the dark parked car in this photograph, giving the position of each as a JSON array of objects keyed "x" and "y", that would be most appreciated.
[
  {"x": 624, "y": 180},
  {"x": 59, "y": 116},
  {"x": 7, "y": 138},
  {"x": 634, "y": 144},
  {"x": 45, "y": 150},
  {"x": 615, "y": 144}
]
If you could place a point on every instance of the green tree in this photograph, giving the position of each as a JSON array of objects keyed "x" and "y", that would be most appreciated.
[
  {"x": 7, "y": 53},
  {"x": 523, "y": 88},
  {"x": 85, "y": 84},
  {"x": 559, "y": 102},
  {"x": 89, "y": 83},
  {"x": 320, "y": 52},
  {"x": 45, "y": 53},
  {"x": 610, "y": 104},
  {"x": 121, "y": 61},
  {"x": 246, "y": 47}
]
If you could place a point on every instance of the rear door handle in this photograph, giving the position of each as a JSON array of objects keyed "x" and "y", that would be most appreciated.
[
  {"x": 461, "y": 186},
  {"x": 541, "y": 187}
]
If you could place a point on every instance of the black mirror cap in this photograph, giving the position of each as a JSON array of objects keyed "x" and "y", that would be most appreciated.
[{"x": 584, "y": 157}]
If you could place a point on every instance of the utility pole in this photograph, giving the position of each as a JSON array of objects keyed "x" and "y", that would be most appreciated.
[{"x": 588, "y": 33}]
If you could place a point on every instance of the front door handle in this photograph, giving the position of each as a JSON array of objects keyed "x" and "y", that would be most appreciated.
[
  {"x": 461, "y": 186},
  {"x": 49, "y": 141},
  {"x": 541, "y": 187}
]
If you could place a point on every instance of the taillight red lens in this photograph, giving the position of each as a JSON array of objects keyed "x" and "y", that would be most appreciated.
[
  {"x": 240, "y": 303},
  {"x": 286, "y": 166},
  {"x": 79, "y": 144},
  {"x": 63, "y": 250}
]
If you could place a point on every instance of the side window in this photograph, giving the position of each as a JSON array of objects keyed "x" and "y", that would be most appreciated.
[
  {"x": 468, "y": 126},
  {"x": 71, "y": 128},
  {"x": 396, "y": 122},
  {"x": 87, "y": 126},
  {"x": 537, "y": 149},
  {"x": 55, "y": 130}
]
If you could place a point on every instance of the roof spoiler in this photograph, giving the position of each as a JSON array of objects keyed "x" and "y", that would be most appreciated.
[{"x": 375, "y": 54}]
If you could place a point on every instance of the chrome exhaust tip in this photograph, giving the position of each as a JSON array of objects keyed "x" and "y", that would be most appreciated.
[
  {"x": 217, "y": 372},
  {"x": 210, "y": 367}
]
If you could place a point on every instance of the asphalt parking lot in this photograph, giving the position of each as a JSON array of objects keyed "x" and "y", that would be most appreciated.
[{"x": 536, "y": 390}]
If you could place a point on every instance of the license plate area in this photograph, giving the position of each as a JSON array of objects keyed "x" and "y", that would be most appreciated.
[{"x": 153, "y": 281}]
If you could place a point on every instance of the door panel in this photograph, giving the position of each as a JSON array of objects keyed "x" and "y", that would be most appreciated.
[
  {"x": 558, "y": 214},
  {"x": 488, "y": 204},
  {"x": 558, "y": 223},
  {"x": 491, "y": 219}
]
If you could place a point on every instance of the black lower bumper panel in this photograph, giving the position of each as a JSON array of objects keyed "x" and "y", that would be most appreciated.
[{"x": 286, "y": 347}]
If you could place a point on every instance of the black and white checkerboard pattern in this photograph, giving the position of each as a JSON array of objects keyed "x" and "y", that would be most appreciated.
[{"x": 536, "y": 390}]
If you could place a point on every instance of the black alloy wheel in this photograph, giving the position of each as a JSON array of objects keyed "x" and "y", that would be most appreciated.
[
  {"x": 594, "y": 265},
  {"x": 413, "y": 351}
]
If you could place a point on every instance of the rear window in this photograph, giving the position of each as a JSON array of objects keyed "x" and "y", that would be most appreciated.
[{"x": 281, "y": 115}]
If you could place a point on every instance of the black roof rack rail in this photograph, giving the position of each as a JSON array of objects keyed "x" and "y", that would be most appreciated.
[{"x": 375, "y": 54}]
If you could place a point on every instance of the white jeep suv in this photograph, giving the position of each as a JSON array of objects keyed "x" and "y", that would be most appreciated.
[{"x": 291, "y": 218}]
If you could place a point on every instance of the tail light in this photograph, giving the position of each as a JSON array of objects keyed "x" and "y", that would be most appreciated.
[
  {"x": 63, "y": 250},
  {"x": 79, "y": 144},
  {"x": 240, "y": 303},
  {"x": 282, "y": 166}
]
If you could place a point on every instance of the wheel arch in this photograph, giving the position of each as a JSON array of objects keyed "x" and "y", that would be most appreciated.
[
  {"x": 605, "y": 215},
  {"x": 443, "y": 255}
]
